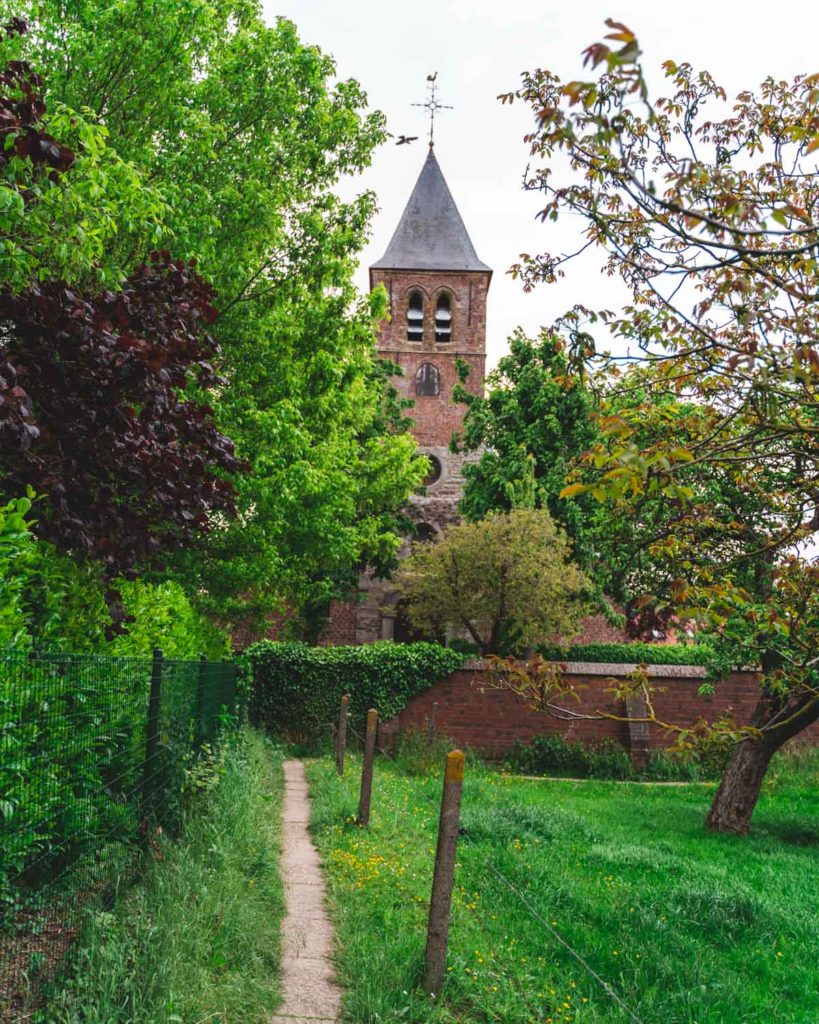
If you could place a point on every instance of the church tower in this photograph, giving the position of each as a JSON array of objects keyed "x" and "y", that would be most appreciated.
[{"x": 437, "y": 290}]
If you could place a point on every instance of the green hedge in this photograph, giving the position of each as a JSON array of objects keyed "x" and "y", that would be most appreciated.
[
  {"x": 296, "y": 689},
  {"x": 640, "y": 654}
]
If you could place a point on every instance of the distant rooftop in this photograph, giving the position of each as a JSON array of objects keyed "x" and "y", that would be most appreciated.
[{"x": 431, "y": 234}]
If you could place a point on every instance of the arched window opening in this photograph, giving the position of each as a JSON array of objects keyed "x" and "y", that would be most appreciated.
[
  {"x": 424, "y": 533},
  {"x": 415, "y": 317},
  {"x": 427, "y": 380},
  {"x": 443, "y": 318}
]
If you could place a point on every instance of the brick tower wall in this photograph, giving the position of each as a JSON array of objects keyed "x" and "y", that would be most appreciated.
[{"x": 436, "y": 418}]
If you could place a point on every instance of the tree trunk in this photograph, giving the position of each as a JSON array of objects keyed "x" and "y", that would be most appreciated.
[
  {"x": 741, "y": 781},
  {"x": 739, "y": 787}
]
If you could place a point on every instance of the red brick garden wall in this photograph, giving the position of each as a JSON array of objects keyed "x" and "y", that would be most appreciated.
[{"x": 490, "y": 721}]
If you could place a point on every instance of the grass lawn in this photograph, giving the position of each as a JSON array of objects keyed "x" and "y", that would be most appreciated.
[
  {"x": 199, "y": 939},
  {"x": 685, "y": 926}
]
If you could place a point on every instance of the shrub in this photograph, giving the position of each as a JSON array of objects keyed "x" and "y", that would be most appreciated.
[
  {"x": 17, "y": 553},
  {"x": 51, "y": 602},
  {"x": 507, "y": 580},
  {"x": 626, "y": 654},
  {"x": 297, "y": 689},
  {"x": 72, "y": 757},
  {"x": 163, "y": 616},
  {"x": 555, "y": 755}
]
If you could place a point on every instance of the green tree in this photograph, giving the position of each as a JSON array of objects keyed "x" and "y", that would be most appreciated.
[
  {"x": 627, "y": 531},
  {"x": 709, "y": 221},
  {"x": 71, "y": 209},
  {"x": 533, "y": 420},
  {"x": 507, "y": 582},
  {"x": 238, "y": 126}
]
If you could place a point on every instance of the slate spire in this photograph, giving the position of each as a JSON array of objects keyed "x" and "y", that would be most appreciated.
[{"x": 431, "y": 234}]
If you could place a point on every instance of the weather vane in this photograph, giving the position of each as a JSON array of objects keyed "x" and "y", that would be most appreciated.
[{"x": 432, "y": 105}]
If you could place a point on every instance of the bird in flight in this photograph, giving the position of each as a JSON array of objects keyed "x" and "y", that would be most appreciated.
[
  {"x": 404, "y": 140},
  {"x": 431, "y": 78}
]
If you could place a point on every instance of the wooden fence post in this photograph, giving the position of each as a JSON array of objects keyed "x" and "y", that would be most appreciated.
[
  {"x": 444, "y": 875},
  {"x": 431, "y": 724},
  {"x": 151, "y": 740},
  {"x": 341, "y": 733},
  {"x": 367, "y": 768}
]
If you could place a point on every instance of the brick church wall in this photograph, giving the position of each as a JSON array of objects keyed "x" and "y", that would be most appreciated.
[{"x": 340, "y": 630}]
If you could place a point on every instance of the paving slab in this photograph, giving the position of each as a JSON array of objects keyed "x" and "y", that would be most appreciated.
[{"x": 309, "y": 991}]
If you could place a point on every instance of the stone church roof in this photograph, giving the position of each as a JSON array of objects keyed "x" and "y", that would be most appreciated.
[{"x": 430, "y": 234}]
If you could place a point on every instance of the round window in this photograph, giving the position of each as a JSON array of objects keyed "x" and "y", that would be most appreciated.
[{"x": 435, "y": 470}]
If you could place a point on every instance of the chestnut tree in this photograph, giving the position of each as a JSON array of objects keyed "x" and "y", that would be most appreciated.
[{"x": 707, "y": 213}]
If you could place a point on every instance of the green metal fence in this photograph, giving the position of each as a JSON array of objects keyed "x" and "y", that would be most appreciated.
[{"x": 94, "y": 757}]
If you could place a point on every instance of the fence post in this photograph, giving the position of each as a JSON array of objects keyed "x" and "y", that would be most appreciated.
[
  {"x": 367, "y": 768},
  {"x": 151, "y": 739},
  {"x": 200, "y": 702},
  {"x": 431, "y": 724},
  {"x": 444, "y": 875},
  {"x": 341, "y": 733}
]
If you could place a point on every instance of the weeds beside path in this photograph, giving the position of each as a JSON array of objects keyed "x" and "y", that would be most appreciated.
[
  {"x": 200, "y": 939},
  {"x": 687, "y": 927}
]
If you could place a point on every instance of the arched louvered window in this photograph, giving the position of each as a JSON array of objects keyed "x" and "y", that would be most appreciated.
[
  {"x": 415, "y": 317},
  {"x": 443, "y": 317},
  {"x": 427, "y": 380}
]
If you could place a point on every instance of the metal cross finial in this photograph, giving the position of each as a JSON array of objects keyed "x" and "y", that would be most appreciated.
[{"x": 432, "y": 105}]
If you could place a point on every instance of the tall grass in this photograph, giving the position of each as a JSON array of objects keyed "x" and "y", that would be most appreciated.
[{"x": 199, "y": 940}]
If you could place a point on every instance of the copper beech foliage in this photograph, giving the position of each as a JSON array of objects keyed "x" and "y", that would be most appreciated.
[
  {"x": 101, "y": 395},
  {"x": 21, "y": 111}
]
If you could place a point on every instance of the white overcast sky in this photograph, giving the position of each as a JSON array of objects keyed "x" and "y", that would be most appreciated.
[{"x": 479, "y": 49}]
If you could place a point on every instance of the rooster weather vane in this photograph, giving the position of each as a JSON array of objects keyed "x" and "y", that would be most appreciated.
[{"x": 433, "y": 106}]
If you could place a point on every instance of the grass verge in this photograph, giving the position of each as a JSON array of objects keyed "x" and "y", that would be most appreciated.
[
  {"x": 687, "y": 927},
  {"x": 199, "y": 940}
]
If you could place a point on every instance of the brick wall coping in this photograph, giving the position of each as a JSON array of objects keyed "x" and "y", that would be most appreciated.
[{"x": 610, "y": 668}]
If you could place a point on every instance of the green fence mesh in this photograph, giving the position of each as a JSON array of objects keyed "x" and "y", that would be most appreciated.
[{"x": 94, "y": 753}]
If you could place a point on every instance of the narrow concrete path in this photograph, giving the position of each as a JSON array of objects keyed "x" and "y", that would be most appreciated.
[{"x": 310, "y": 994}]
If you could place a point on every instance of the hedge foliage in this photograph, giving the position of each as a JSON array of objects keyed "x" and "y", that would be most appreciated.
[
  {"x": 297, "y": 689},
  {"x": 636, "y": 653}
]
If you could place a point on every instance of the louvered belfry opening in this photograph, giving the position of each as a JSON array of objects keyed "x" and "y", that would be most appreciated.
[
  {"x": 443, "y": 318},
  {"x": 427, "y": 381},
  {"x": 415, "y": 317}
]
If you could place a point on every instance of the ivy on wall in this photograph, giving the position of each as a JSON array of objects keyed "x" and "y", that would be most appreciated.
[{"x": 296, "y": 689}]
